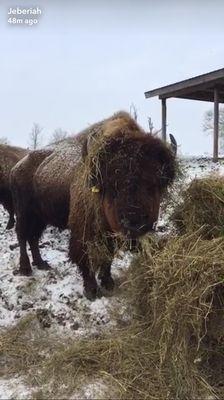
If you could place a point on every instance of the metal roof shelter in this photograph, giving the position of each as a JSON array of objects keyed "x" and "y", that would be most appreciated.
[{"x": 206, "y": 87}]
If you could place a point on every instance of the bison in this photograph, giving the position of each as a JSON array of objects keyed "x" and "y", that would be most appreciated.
[
  {"x": 108, "y": 179},
  {"x": 9, "y": 156}
]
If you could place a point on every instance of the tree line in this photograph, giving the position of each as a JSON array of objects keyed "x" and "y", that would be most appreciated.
[{"x": 36, "y": 137}]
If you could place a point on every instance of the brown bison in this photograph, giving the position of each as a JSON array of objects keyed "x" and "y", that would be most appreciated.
[
  {"x": 9, "y": 156},
  {"x": 109, "y": 179}
]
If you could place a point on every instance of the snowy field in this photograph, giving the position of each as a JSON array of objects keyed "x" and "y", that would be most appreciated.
[{"x": 56, "y": 296}]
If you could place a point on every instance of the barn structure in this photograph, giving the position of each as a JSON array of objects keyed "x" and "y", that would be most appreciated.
[{"x": 206, "y": 87}]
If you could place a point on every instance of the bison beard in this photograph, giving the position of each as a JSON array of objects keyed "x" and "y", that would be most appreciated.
[{"x": 107, "y": 180}]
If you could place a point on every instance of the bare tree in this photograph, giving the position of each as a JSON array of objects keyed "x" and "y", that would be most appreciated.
[
  {"x": 151, "y": 126},
  {"x": 152, "y": 130},
  {"x": 35, "y": 137},
  {"x": 133, "y": 111},
  {"x": 58, "y": 135},
  {"x": 4, "y": 140},
  {"x": 208, "y": 124}
]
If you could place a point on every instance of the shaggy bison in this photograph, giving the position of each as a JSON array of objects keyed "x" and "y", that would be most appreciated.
[
  {"x": 9, "y": 156},
  {"x": 107, "y": 180}
]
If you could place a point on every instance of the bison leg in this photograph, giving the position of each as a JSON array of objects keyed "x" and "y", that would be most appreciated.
[
  {"x": 105, "y": 277},
  {"x": 78, "y": 255},
  {"x": 24, "y": 262},
  {"x": 37, "y": 259},
  {"x": 33, "y": 235},
  {"x": 91, "y": 289},
  {"x": 25, "y": 268},
  {"x": 29, "y": 229},
  {"x": 8, "y": 205},
  {"x": 21, "y": 231},
  {"x": 11, "y": 221}
]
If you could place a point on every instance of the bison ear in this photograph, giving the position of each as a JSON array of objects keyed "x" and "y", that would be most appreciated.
[
  {"x": 173, "y": 144},
  {"x": 165, "y": 158},
  {"x": 86, "y": 144},
  {"x": 168, "y": 171}
]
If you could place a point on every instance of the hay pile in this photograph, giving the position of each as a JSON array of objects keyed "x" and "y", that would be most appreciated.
[
  {"x": 179, "y": 291},
  {"x": 202, "y": 205},
  {"x": 173, "y": 348}
]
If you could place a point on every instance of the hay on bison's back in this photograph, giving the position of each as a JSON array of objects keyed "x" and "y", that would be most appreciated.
[{"x": 202, "y": 205}]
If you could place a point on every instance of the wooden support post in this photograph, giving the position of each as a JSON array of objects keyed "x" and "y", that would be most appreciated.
[
  {"x": 164, "y": 120},
  {"x": 216, "y": 126}
]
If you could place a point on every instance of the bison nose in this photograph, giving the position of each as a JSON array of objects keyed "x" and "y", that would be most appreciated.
[{"x": 137, "y": 223}]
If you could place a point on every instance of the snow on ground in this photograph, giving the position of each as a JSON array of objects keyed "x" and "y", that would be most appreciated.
[
  {"x": 14, "y": 388},
  {"x": 192, "y": 168},
  {"x": 56, "y": 296},
  {"x": 195, "y": 167},
  {"x": 93, "y": 390}
]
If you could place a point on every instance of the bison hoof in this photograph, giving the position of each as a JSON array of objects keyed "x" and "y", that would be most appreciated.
[
  {"x": 92, "y": 293},
  {"x": 107, "y": 283},
  {"x": 43, "y": 265},
  {"x": 23, "y": 271},
  {"x": 10, "y": 224}
]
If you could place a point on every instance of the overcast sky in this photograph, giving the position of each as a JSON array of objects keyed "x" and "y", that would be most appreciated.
[{"x": 84, "y": 60}]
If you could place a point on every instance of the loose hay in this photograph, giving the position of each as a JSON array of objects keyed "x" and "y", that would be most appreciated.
[{"x": 202, "y": 205}]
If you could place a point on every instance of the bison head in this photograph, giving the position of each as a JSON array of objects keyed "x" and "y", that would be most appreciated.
[{"x": 130, "y": 177}]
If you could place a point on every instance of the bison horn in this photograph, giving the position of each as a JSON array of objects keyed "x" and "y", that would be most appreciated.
[
  {"x": 86, "y": 145},
  {"x": 173, "y": 144}
]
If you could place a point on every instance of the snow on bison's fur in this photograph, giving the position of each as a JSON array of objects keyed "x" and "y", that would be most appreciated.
[
  {"x": 108, "y": 178},
  {"x": 9, "y": 156}
]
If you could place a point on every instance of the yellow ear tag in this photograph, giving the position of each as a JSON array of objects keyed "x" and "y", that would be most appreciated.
[{"x": 95, "y": 189}]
